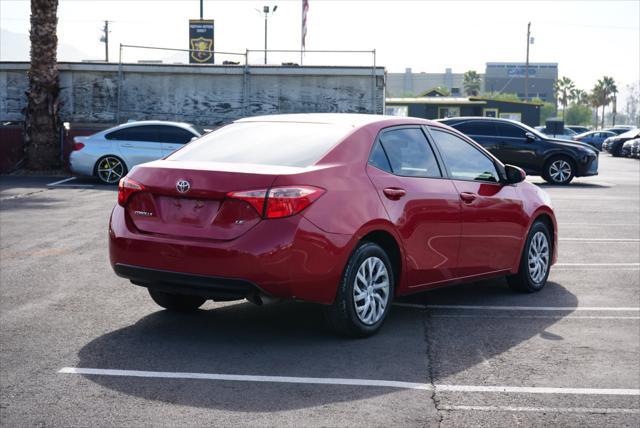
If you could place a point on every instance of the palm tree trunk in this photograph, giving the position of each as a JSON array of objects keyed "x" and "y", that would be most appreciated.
[
  {"x": 602, "y": 126},
  {"x": 615, "y": 101},
  {"x": 42, "y": 121}
]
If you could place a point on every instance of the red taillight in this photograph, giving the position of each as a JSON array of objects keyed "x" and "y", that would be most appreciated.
[
  {"x": 126, "y": 188},
  {"x": 78, "y": 146},
  {"x": 280, "y": 201}
]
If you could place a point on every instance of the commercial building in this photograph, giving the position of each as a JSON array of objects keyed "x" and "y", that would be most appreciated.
[
  {"x": 509, "y": 78},
  {"x": 415, "y": 84},
  {"x": 443, "y": 107}
]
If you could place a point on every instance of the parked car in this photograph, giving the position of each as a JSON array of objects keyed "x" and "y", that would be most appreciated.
[
  {"x": 578, "y": 129},
  {"x": 109, "y": 154},
  {"x": 556, "y": 160},
  {"x": 628, "y": 148},
  {"x": 594, "y": 138},
  {"x": 566, "y": 134},
  {"x": 614, "y": 144},
  {"x": 621, "y": 129},
  {"x": 344, "y": 210}
]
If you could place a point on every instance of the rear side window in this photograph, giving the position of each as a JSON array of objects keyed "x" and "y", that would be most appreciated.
[
  {"x": 409, "y": 153},
  {"x": 266, "y": 143},
  {"x": 379, "y": 159},
  {"x": 477, "y": 128},
  {"x": 134, "y": 133},
  {"x": 464, "y": 161}
]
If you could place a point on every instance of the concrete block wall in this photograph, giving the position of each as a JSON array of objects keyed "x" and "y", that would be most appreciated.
[{"x": 204, "y": 95}]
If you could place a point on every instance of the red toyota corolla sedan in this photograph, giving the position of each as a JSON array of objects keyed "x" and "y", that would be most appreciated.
[{"x": 344, "y": 210}]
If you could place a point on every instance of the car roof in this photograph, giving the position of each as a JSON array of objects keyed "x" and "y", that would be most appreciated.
[
  {"x": 348, "y": 119},
  {"x": 468, "y": 118},
  {"x": 152, "y": 122}
]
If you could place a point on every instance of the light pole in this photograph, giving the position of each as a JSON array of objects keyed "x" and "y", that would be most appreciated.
[{"x": 265, "y": 9}]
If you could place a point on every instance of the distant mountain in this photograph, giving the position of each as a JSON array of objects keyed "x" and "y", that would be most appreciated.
[{"x": 15, "y": 47}]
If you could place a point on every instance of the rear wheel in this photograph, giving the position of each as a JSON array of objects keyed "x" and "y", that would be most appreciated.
[
  {"x": 534, "y": 262},
  {"x": 176, "y": 302},
  {"x": 559, "y": 170},
  {"x": 364, "y": 294},
  {"x": 110, "y": 169}
]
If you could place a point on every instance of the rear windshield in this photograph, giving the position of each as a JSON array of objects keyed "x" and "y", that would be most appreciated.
[{"x": 265, "y": 143}]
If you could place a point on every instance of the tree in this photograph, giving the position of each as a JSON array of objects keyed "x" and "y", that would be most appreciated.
[
  {"x": 41, "y": 118},
  {"x": 471, "y": 82},
  {"x": 611, "y": 91},
  {"x": 563, "y": 88},
  {"x": 595, "y": 99},
  {"x": 580, "y": 97},
  {"x": 632, "y": 104}
]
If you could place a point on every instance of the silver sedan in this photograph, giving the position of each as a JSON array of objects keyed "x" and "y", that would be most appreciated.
[{"x": 110, "y": 154}]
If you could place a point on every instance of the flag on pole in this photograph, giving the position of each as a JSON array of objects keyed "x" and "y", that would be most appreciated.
[{"x": 305, "y": 8}]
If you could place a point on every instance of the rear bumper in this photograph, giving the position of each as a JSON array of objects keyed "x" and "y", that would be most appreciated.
[
  {"x": 82, "y": 163},
  {"x": 287, "y": 258},
  {"x": 211, "y": 287}
]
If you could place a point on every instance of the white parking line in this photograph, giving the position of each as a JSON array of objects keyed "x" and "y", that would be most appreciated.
[
  {"x": 61, "y": 181},
  {"x": 522, "y": 308},
  {"x": 601, "y": 239},
  {"x": 557, "y": 317},
  {"x": 347, "y": 382},
  {"x": 599, "y": 410},
  {"x": 596, "y": 224},
  {"x": 616, "y": 265}
]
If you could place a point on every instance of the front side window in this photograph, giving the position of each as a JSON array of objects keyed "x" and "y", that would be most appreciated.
[
  {"x": 464, "y": 161},
  {"x": 409, "y": 153},
  {"x": 509, "y": 130}
]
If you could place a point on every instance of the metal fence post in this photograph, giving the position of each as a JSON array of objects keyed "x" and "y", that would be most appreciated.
[
  {"x": 119, "y": 85},
  {"x": 245, "y": 82},
  {"x": 374, "y": 85}
]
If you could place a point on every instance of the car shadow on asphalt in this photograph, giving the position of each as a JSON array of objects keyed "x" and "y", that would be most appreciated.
[
  {"x": 291, "y": 339},
  {"x": 573, "y": 184}
]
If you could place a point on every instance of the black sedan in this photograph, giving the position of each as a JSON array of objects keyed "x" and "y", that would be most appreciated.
[
  {"x": 614, "y": 144},
  {"x": 557, "y": 161}
]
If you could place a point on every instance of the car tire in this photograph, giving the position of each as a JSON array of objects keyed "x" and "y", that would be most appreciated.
[
  {"x": 535, "y": 262},
  {"x": 364, "y": 294},
  {"x": 110, "y": 169},
  {"x": 559, "y": 170},
  {"x": 176, "y": 302}
]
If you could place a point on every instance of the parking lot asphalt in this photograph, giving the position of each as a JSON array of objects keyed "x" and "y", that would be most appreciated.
[{"x": 470, "y": 355}]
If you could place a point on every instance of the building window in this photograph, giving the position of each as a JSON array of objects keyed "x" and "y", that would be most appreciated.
[
  {"x": 397, "y": 111},
  {"x": 445, "y": 112},
  {"x": 513, "y": 116},
  {"x": 490, "y": 112}
]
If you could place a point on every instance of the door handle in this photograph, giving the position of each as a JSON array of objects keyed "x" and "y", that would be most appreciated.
[
  {"x": 394, "y": 193},
  {"x": 127, "y": 145},
  {"x": 467, "y": 197}
]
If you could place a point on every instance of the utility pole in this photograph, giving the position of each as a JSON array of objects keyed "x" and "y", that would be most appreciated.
[
  {"x": 105, "y": 39},
  {"x": 526, "y": 67},
  {"x": 201, "y": 9}
]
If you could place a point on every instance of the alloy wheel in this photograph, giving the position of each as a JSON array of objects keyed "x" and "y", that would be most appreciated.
[
  {"x": 371, "y": 290},
  {"x": 538, "y": 257},
  {"x": 560, "y": 171},
  {"x": 110, "y": 169}
]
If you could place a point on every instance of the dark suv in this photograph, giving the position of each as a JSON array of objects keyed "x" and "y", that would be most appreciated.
[{"x": 557, "y": 161}]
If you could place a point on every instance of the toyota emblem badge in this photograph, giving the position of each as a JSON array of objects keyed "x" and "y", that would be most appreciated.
[{"x": 182, "y": 186}]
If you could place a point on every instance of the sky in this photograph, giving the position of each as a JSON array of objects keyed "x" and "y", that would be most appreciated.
[{"x": 588, "y": 39}]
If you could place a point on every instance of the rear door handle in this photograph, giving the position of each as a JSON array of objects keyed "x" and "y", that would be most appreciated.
[
  {"x": 127, "y": 145},
  {"x": 394, "y": 193},
  {"x": 467, "y": 197}
]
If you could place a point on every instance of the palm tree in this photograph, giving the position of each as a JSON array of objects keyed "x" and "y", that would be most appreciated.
[
  {"x": 41, "y": 118},
  {"x": 580, "y": 97},
  {"x": 471, "y": 82},
  {"x": 594, "y": 101},
  {"x": 600, "y": 98},
  {"x": 611, "y": 90},
  {"x": 563, "y": 88}
]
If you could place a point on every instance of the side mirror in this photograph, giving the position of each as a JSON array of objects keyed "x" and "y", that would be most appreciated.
[
  {"x": 531, "y": 137},
  {"x": 514, "y": 174}
]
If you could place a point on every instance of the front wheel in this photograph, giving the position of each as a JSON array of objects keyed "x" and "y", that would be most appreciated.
[
  {"x": 176, "y": 302},
  {"x": 364, "y": 294},
  {"x": 535, "y": 261},
  {"x": 559, "y": 170}
]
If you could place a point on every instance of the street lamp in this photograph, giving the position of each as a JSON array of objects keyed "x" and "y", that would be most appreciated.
[{"x": 265, "y": 9}]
